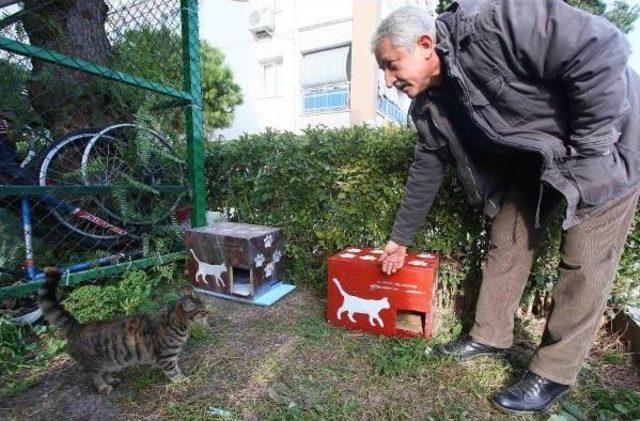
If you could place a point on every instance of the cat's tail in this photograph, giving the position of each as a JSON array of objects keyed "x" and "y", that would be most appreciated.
[
  {"x": 52, "y": 310},
  {"x": 194, "y": 255},
  {"x": 335, "y": 281}
]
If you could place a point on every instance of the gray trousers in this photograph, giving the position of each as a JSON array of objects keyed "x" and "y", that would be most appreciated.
[{"x": 590, "y": 253}]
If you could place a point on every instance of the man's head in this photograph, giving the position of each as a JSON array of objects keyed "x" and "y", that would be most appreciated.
[{"x": 405, "y": 47}]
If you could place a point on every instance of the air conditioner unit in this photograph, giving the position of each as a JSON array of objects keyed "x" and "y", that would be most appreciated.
[{"x": 261, "y": 20}]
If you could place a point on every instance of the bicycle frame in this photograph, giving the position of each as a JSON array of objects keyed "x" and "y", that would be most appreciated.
[
  {"x": 62, "y": 206},
  {"x": 188, "y": 97},
  {"x": 66, "y": 209},
  {"x": 33, "y": 273}
]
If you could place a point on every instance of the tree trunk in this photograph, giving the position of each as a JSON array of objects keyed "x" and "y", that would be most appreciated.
[{"x": 68, "y": 99}]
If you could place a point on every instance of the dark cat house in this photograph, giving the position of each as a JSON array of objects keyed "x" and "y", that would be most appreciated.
[{"x": 238, "y": 261}]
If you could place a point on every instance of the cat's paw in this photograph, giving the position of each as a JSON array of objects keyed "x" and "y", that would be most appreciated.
[
  {"x": 105, "y": 390},
  {"x": 178, "y": 378},
  {"x": 113, "y": 380}
]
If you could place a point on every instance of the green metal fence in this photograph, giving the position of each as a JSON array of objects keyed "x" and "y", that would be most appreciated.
[{"x": 101, "y": 166}]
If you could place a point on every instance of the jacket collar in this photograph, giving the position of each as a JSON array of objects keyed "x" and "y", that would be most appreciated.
[
  {"x": 421, "y": 103},
  {"x": 459, "y": 20},
  {"x": 453, "y": 27}
]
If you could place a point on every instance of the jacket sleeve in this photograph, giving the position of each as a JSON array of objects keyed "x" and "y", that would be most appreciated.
[
  {"x": 586, "y": 54},
  {"x": 425, "y": 177}
]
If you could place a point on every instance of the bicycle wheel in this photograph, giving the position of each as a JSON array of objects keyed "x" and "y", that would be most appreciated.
[
  {"x": 147, "y": 175},
  {"x": 80, "y": 215}
]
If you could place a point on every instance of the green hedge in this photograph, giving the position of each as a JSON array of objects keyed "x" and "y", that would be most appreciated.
[{"x": 328, "y": 189}]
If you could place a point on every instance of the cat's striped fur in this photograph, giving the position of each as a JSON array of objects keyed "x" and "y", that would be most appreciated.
[{"x": 106, "y": 347}]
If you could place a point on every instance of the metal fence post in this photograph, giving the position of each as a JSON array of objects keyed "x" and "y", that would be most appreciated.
[{"x": 193, "y": 81}]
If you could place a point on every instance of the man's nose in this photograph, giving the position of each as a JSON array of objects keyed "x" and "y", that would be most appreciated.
[{"x": 389, "y": 79}]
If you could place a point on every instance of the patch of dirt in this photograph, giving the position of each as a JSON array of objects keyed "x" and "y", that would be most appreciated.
[
  {"x": 242, "y": 338},
  {"x": 62, "y": 392},
  {"x": 622, "y": 373},
  {"x": 258, "y": 362}
]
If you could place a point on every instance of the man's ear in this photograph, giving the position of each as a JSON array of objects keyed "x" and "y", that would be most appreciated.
[{"x": 427, "y": 45}]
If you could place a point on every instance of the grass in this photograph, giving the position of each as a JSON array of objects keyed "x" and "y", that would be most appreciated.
[
  {"x": 285, "y": 362},
  {"x": 15, "y": 387}
]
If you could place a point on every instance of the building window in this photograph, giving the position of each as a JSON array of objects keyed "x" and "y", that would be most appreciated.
[
  {"x": 324, "y": 79},
  {"x": 272, "y": 78},
  {"x": 328, "y": 98},
  {"x": 391, "y": 110}
]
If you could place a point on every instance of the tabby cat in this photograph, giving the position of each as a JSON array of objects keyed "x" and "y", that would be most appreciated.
[{"x": 103, "y": 348}]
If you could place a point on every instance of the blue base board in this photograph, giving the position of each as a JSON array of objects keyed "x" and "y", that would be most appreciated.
[{"x": 266, "y": 299}]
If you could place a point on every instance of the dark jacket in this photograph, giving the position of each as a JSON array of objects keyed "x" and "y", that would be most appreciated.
[{"x": 538, "y": 77}]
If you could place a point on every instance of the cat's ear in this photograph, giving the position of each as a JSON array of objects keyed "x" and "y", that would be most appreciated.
[
  {"x": 194, "y": 298},
  {"x": 188, "y": 305}
]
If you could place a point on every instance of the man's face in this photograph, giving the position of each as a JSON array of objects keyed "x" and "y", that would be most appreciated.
[{"x": 411, "y": 72}]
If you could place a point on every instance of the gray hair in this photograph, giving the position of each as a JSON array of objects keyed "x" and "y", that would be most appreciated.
[{"x": 404, "y": 26}]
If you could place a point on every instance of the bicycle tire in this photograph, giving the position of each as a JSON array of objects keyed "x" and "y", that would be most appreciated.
[
  {"x": 156, "y": 164},
  {"x": 58, "y": 167}
]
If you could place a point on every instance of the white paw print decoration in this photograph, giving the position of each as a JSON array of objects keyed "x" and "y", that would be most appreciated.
[
  {"x": 418, "y": 263},
  {"x": 268, "y": 270},
  {"x": 347, "y": 255},
  {"x": 368, "y": 257},
  {"x": 277, "y": 255},
  {"x": 268, "y": 240},
  {"x": 427, "y": 256},
  {"x": 259, "y": 260}
]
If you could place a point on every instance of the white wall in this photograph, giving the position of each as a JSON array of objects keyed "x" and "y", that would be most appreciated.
[
  {"x": 277, "y": 111},
  {"x": 332, "y": 119},
  {"x": 300, "y": 25},
  {"x": 325, "y": 35},
  {"x": 313, "y": 12}
]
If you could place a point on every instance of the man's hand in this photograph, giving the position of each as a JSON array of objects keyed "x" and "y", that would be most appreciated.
[{"x": 393, "y": 257}]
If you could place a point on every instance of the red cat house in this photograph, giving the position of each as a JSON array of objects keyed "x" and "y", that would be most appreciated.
[
  {"x": 243, "y": 262},
  {"x": 361, "y": 297}
]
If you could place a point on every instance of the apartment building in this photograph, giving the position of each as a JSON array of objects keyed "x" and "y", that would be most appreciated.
[{"x": 308, "y": 62}]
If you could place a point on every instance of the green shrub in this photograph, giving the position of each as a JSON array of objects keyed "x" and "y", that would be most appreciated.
[
  {"x": 13, "y": 345},
  {"x": 137, "y": 291},
  {"x": 128, "y": 296},
  {"x": 328, "y": 189},
  {"x": 25, "y": 346}
]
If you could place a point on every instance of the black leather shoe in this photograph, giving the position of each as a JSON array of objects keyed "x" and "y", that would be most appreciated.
[
  {"x": 531, "y": 394},
  {"x": 466, "y": 348}
]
